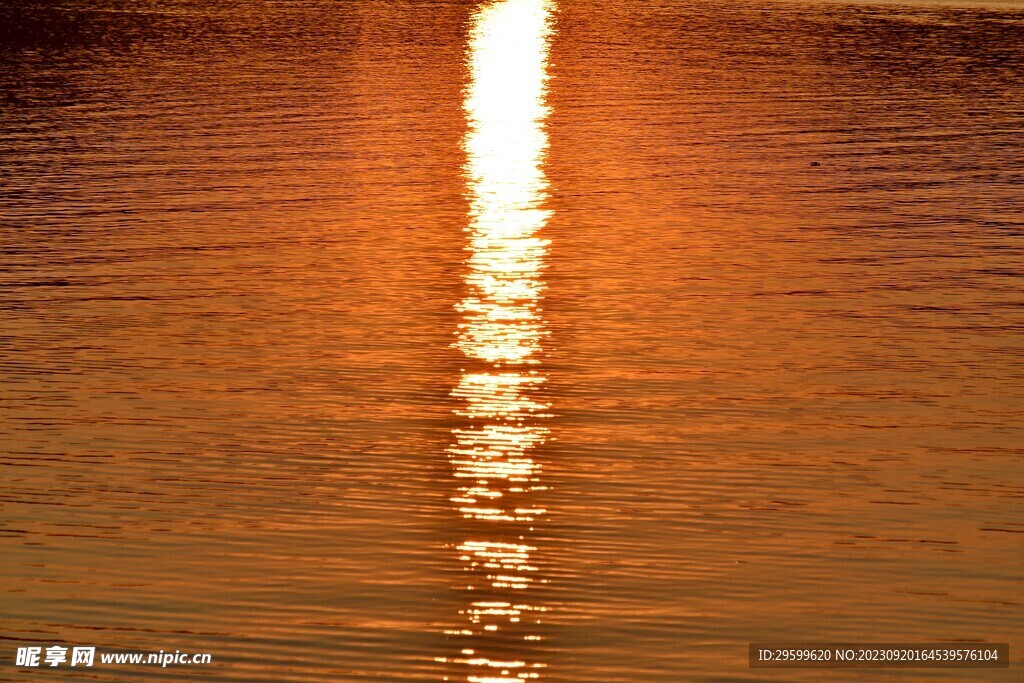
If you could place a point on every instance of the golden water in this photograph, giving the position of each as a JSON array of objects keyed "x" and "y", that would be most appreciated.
[{"x": 515, "y": 340}]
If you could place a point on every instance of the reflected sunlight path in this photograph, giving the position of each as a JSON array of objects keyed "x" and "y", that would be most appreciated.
[{"x": 501, "y": 333}]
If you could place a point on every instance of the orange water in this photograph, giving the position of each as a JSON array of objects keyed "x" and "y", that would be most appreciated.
[{"x": 403, "y": 340}]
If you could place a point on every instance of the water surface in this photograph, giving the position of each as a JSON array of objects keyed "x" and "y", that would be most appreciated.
[{"x": 333, "y": 334}]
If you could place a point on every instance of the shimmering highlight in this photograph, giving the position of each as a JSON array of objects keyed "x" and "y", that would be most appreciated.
[{"x": 501, "y": 333}]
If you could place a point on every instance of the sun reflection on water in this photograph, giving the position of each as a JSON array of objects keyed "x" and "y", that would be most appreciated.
[{"x": 501, "y": 334}]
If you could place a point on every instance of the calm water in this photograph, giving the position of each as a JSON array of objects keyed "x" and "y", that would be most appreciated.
[{"x": 415, "y": 340}]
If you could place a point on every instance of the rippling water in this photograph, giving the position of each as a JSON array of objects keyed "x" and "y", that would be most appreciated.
[{"x": 557, "y": 340}]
